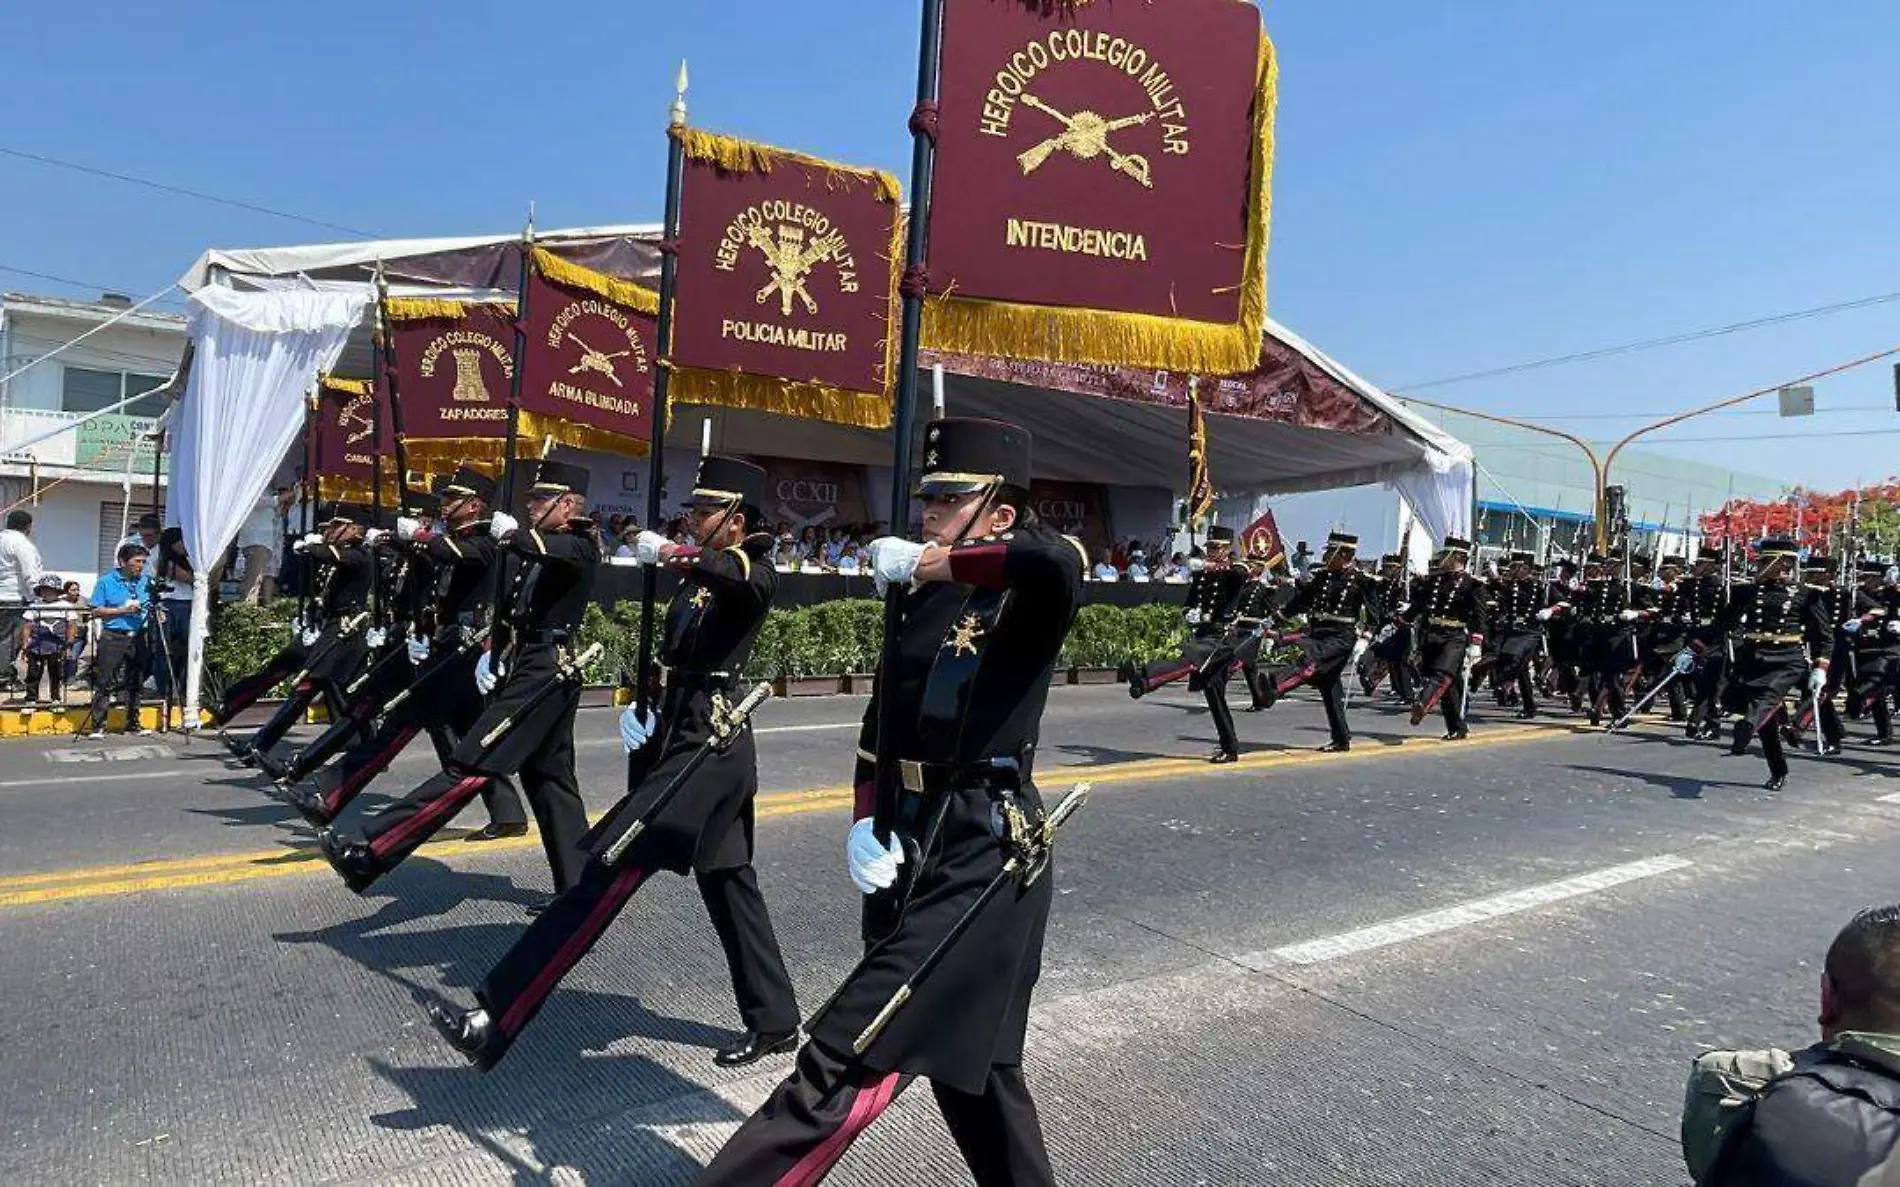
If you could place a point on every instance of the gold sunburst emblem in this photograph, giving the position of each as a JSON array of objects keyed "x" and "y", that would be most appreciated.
[{"x": 964, "y": 636}]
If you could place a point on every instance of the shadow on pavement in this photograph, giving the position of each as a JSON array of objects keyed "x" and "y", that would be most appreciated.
[{"x": 1682, "y": 787}]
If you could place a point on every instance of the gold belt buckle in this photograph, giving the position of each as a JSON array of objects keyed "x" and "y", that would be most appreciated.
[{"x": 912, "y": 773}]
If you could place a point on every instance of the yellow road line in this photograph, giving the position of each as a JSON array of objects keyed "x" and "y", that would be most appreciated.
[{"x": 224, "y": 869}]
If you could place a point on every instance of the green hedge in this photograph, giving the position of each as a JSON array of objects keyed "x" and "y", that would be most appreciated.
[{"x": 828, "y": 639}]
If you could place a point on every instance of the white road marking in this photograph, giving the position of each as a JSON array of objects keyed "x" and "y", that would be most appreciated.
[
  {"x": 1890, "y": 799},
  {"x": 1413, "y": 927},
  {"x": 116, "y": 754},
  {"x": 88, "y": 780}
]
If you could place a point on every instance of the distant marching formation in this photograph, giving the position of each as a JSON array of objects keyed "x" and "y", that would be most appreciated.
[{"x": 1789, "y": 650}]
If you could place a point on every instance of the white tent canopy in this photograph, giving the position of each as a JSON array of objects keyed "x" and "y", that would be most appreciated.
[{"x": 1308, "y": 423}]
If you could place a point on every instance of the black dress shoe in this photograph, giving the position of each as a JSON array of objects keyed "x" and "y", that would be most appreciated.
[
  {"x": 1418, "y": 712},
  {"x": 1830, "y": 750},
  {"x": 538, "y": 905},
  {"x": 273, "y": 766},
  {"x": 240, "y": 748},
  {"x": 1222, "y": 757},
  {"x": 1526, "y": 714},
  {"x": 1137, "y": 681},
  {"x": 308, "y": 801},
  {"x": 1335, "y": 748},
  {"x": 495, "y": 832},
  {"x": 471, "y": 1032},
  {"x": 1775, "y": 783},
  {"x": 1457, "y": 735},
  {"x": 755, "y": 1046},
  {"x": 352, "y": 860},
  {"x": 1880, "y": 741}
]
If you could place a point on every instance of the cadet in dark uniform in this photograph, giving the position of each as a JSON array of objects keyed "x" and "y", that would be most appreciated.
[
  {"x": 1519, "y": 598},
  {"x": 1606, "y": 629},
  {"x": 454, "y": 572},
  {"x": 1206, "y": 660},
  {"x": 1448, "y": 608},
  {"x": 1392, "y": 645},
  {"x": 995, "y": 593},
  {"x": 1666, "y": 633},
  {"x": 1875, "y": 631},
  {"x": 726, "y": 588},
  {"x": 1828, "y": 641},
  {"x": 1704, "y": 599},
  {"x": 1774, "y": 619},
  {"x": 332, "y": 649},
  {"x": 533, "y": 689},
  {"x": 1340, "y": 604},
  {"x": 1562, "y": 639}
]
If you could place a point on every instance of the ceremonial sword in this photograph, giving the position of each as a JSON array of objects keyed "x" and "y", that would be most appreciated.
[{"x": 725, "y": 729}]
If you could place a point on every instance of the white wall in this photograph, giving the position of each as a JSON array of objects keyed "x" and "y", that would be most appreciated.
[
  {"x": 66, "y": 527},
  {"x": 115, "y": 348}
]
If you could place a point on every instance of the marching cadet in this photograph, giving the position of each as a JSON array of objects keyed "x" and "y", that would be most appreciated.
[
  {"x": 1704, "y": 598},
  {"x": 325, "y": 654},
  {"x": 1562, "y": 638},
  {"x": 1206, "y": 660},
  {"x": 1828, "y": 640},
  {"x": 1448, "y": 607},
  {"x": 531, "y": 676},
  {"x": 387, "y": 669},
  {"x": 993, "y": 593},
  {"x": 726, "y": 587},
  {"x": 1875, "y": 633},
  {"x": 1773, "y": 618},
  {"x": 1340, "y": 604},
  {"x": 455, "y": 570},
  {"x": 1259, "y": 598},
  {"x": 1666, "y": 633},
  {"x": 1519, "y": 597},
  {"x": 1391, "y": 650},
  {"x": 1606, "y": 628}
]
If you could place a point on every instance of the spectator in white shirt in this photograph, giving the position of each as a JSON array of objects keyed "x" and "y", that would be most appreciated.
[
  {"x": 20, "y": 569},
  {"x": 1138, "y": 566},
  {"x": 1104, "y": 571},
  {"x": 144, "y": 533},
  {"x": 257, "y": 543}
]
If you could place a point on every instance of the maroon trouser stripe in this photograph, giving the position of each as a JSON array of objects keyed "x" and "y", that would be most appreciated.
[
  {"x": 430, "y": 818},
  {"x": 1438, "y": 690},
  {"x": 873, "y": 1097},
  {"x": 1296, "y": 679},
  {"x": 1150, "y": 683},
  {"x": 360, "y": 778},
  {"x": 618, "y": 892}
]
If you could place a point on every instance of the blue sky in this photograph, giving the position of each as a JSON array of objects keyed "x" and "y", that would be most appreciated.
[{"x": 1461, "y": 186}]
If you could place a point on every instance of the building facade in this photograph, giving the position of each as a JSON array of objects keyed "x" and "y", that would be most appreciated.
[{"x": 85, "y": 485}]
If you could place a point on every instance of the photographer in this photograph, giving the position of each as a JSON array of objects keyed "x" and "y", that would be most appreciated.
[{"x": 119, "y": 602}]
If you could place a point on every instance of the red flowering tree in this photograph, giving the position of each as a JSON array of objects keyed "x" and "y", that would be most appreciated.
[{"x": 1815, "y": 519}]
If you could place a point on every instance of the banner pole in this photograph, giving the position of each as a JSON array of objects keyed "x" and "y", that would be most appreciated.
[
  {"x": 497, "y": 644},
  {"x": 662, "y": 381},
  {"x": 386, "y": 375},
  {"x": 923, "y": 161}
]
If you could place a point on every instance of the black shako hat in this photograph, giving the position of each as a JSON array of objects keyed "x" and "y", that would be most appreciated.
[
  {"x": 421, "y": 504},
  {"x": 963, "y": 455},
  {"x": 355, "y": 513},
  {"x": 467, "y": 482},
  {"x": 1869, "y": 567},
  {"x": 1220, "y": 535},
  {"x": 1818, "y": 562},
  {"x": 1457, "y": 544},
  {"x": 559, "y": 478},
  {"x": 1521, "y": 557},
  {"x": 1775, "y": 548},
  {"x": 1345, "y": 540},
  {"x": 729, "y": 482},
  {"x": 1708, "y": 553}
]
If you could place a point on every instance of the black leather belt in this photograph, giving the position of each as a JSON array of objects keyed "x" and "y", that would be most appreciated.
[{"x": 936, "y": 778}]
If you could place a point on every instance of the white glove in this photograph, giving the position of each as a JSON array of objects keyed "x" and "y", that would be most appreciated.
[
  {"x": 310, "y": 636},
  {"x": 1196, "y": 564},
  {"x": 1473, "y": 653},
  {"x": 375, "y": 637},
  {"x": 1817, "y": 679},
  {"x": 374, "y": 534},
  {"x": 1194, "y": 616},
  {"x": 1628, "y": 615},
  {"x": 487, "y": 673},
  {"x": 647, "y": 545},
  {"x": 296, "y": 626},
  {"x": 1545, "y": 614},
  {"x": 635, "y": 730},
  {"x": 307, "y": 543},
  {"x": 407, "y": 529},
  {"x": 1893, "y": 628},
  {"x": 871, "y": 863},
  {"x": 501, "y": 523},
  {"x": 1684, "y": 663},
  {"x": 1851, "y": 626},
  {"x": 418, "y": 649},
  {"x": 1386, "y": 632},
  {"x": 1358, "y": 650},
  {"x": 893, "y": 561}
]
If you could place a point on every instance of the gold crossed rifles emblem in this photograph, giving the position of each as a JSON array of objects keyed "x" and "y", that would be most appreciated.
[
  {"x": 1084, "y": 136},
  {"x": 597, "y": 361},
  {"x": 791, "y": 260}
]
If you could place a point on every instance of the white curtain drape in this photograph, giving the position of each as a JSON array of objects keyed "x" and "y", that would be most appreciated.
[
  {"x": 257, "y": 355},
  {"x": 1440, "y": 499}
]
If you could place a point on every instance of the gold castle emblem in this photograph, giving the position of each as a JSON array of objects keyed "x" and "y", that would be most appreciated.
[
  {"x": 964, "y": 636},
  {"x": 791, "y": 259},
  {"x": 1084, "y": 136},
  {"x": 469, "y": 386},
  {"x": 598, "y": 361}
]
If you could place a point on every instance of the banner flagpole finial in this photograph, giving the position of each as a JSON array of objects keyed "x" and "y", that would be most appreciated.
[
  {"x": 527, "y": 231},
  {"x": 679, "y": 97}
]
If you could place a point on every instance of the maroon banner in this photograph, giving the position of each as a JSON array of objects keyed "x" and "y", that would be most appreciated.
[
  {"x": 454, "y": 365},
  {"x": 347, "y": 412},
  {"x": 1107, "y": 159},
  {"x": 1078, "y": 509},
  {"x": 785, "y": 277},
  {"x": 804, "y": 494},
  {"x": 1261, "y": 542},
  {"x": 590, "y": 364}
]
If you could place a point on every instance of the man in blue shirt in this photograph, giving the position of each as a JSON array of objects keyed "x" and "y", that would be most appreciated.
[{"x": 119, "y": 602}]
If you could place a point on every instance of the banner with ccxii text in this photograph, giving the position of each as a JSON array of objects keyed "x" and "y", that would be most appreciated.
[
  {"x": 1103, "y": 183},
  {"x": 587, "y": 377},
  {"x": 454, "y": 363},
  {"x": 786, "y": 288}
]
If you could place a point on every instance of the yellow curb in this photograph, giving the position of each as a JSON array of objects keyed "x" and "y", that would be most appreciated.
[
  {"x": 30, "y": 721},
  {"x": 224, "y": 869}
]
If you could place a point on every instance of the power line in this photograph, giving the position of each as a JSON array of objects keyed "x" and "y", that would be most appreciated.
[
  {"x": 78, "y": 284},
  {"x": 1653, "y": 343},
  {"x": 183, "y": 191}
]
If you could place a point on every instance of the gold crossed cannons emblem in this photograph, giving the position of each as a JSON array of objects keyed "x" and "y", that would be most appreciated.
[
  {"x": 1084, "y": 136},
  {"x": 597, "y": 361},
  {"x": 791, "y": 259}
]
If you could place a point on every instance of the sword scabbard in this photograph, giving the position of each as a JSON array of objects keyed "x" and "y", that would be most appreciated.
[{"x": 869, "y": 1034}]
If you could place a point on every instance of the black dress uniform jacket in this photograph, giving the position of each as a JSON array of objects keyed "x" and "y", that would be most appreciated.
[
  {"x": 723, "y": 598},
  {"x": 349, "y": 573},
  {"x": 972, "y": 675},
  {"x": 1773, "y": 625},
  {"x": 1447, "y": 609}
]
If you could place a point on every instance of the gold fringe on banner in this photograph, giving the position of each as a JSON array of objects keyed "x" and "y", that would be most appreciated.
[
  {"x": 434, "y": 308},
  {"x": 566, "y": 432},
  {"x": 347, "y": 387},
  {"x": 966, "y": 325},
  {"x": 624, "y": 293},
  {"x": 733, "y": 155},
  {"x": 444, "y": 454},
  {"x": 763, "y": 393}
]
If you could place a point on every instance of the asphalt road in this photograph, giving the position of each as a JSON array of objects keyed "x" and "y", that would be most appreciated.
[{"x": 1486, "y": 962}]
